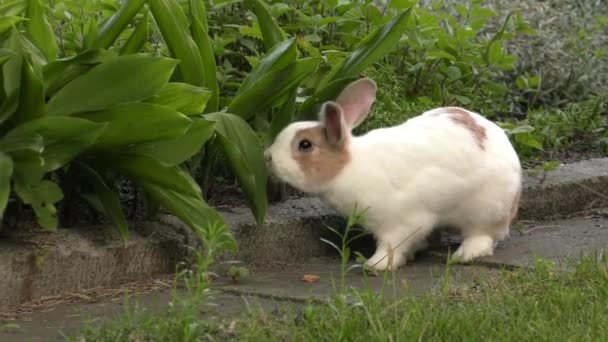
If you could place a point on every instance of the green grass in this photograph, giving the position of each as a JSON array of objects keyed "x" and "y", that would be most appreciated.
[{"x": 546, "y": 303}]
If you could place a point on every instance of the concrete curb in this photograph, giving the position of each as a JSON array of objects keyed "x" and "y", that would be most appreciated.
[{"x": 47, "y": 264}]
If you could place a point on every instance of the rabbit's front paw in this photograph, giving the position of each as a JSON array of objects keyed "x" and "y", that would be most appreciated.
[
  {"x": 474, "y": 247},
  {"x": 381, "y": 261}
]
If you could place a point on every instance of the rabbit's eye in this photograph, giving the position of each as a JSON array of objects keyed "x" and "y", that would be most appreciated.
[{"x": 305, "y": 145}]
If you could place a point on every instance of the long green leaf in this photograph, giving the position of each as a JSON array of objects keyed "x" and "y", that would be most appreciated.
[
  {"x": 13, "y": 143},
  {"x": 64, "y": 138},
  {"x": 374, "y": 46},
  {"x": 141, "y": 168},
  {"x": 40, "y": 30},
  {"x": 192, "y": 210},
  {"x": 279, "y": 57},
  {"x": 173, "y": 26},
  {"x": 9, "y": 21},
  {"x": 138, "y": 38},
  {"x": 243, "y": 150},
  {"x": 198, "y": 11},
  {"x": 10, "y": 8},
  {"x": 31, "y": 95},
  {"x": 60, "y": 72},
  {"x": 11, "y": 76},
  {"x": 112, "y": 28},
  {"x": 272, "y": 87},
  {"x": 272, "y": 33},
  {"x": 135, "y": 123},
  {"x": 109, "y": 201},
  {"x": 6, "y": 171},
  {"x": 205, "y": 48},
  {"x": 173, "y": 152},
  {"x": 119, "y": 80},
  {"x": 182, "y": 97},
  {"x": 92, "y": 34},
  {"x": 308, "y": 109},
  {"x": 283, "y": 117},
  {"x": 5, "y": 55}
]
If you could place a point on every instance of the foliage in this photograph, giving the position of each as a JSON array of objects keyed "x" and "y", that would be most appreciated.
[
  {"x": 546, "y": 301},
  {"x": 568, "y": 56},
  {"x": 578, "y": 128},
  {"x": 90, "y": 97}
]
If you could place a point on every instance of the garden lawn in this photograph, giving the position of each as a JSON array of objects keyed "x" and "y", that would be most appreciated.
[{"x": 544, "y": 303}]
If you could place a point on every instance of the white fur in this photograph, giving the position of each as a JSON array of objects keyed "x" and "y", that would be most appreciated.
[{"x": 426, "y": 172}]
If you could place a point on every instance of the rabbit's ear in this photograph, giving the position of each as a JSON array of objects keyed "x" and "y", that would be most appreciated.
[
  {"x": 356, "y": 100},
  {"x": 332, "y": 117}
]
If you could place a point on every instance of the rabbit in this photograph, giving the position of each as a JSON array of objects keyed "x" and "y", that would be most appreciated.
[{"x": 445, "y": 167}]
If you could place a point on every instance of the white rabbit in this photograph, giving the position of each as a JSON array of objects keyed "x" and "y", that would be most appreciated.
[{"x": 447, "y": 167}]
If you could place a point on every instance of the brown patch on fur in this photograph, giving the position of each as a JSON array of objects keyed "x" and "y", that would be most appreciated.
[
  {"x": 465, "y": 119},
  {"x": 325, "y": 161}
]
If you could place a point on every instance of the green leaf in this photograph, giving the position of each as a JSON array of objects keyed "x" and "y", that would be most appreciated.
[
  {"x": 12, "y": 143},
  {"x": 192, "y": 210},
  {"x": 205, "y": 48},
  {"x": 527, "y": 139},
  {"x": 146, "y": 169},
  {"x": 60, "y": 72},
  {"x": 138, "y": 38},
  {"x": 6, "y": 171},
  {"x": 109, "y": 201},
  {"x": 31, "y": 95},
  {"x": 40, "y": 30},
  {"x": 9, "y": 21},
  {"x": 327, "y": 93},
  {"x": 64, "y": 138},
  {"x": 494, "y": 55},
  {"x": 135, "y": 123},
  {"x": 114, "y": 26},
  {"x": 272, "y": 87},
  {"x": 5, "y": 55},
  {"x": 11, "y": 74},
  {"x": 279, "y": 57},
  {"x": 182, "y": 97},
  {"x": 42, "y": 196},
  {"x": 198, "y": 11},
  {"x": 245, "y": 154},
  {"x": 92, "y": 34},
  {"x": 173, "y": 152},
  {"x": 173, "y": 26},
  {"x": 284, "y": 116},
  {"x": 374, "y": 46},
  {"x": 15, "y": 7},
  {"x": 271, "y": 32},
  {"x": 118, "y": 80},
  {"x": 440, "y": 54}
]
